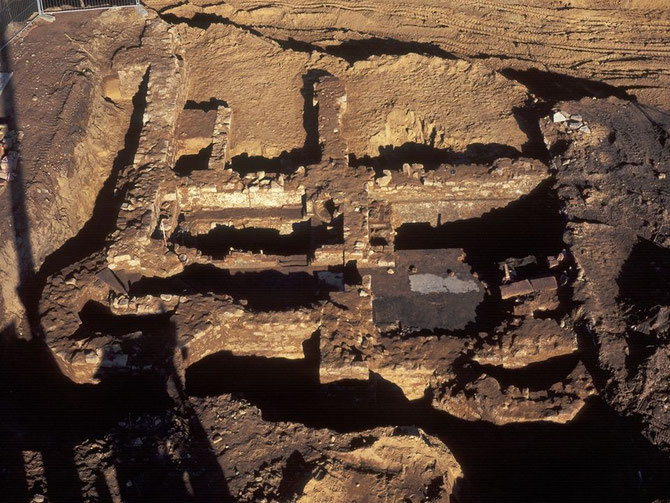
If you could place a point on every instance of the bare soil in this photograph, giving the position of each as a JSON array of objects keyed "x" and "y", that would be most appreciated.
[{"x": 307, "y": 252}]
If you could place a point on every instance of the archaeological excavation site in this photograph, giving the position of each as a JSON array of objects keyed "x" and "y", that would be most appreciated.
[{"x": 340, "y": 252}]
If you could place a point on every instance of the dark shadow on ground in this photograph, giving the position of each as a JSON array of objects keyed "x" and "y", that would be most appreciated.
[
  {"x": 531, "y": 225},
  {"x": 393, "y": 158},
  {"x": 45, "y": 412},
  {"x": 598, "y": 457},
  {"x": 359, "y": 50},
  {"x": 218, "y": 242},
  {"x": 263, "y": 290},
  {"x": 644, "y": 280},
  {"x": 145, "y": 466},
  {"x": 553, "y": 87}
]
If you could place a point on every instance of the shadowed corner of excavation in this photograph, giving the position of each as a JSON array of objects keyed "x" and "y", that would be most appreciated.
[
  {"x": 43, "y": 412},
  {"x": 139, "y": 415},
  {"x": 599, "y": 456},
  {"x": 288, "y": 161},
  {"x": 144, "y": 463},
  {"x": 36, "y": 401},
  {"x": 393, "y": 157}
]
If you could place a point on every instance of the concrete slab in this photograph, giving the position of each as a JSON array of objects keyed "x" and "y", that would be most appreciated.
[{"x": 427, "y": 289}]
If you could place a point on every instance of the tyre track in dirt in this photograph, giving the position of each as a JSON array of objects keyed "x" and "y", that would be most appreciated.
[
  {"x": 445, "y": 18},
  {"x": 616, "y": 46}
]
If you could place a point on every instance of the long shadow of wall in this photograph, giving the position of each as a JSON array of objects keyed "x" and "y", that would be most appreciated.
[
  {"x": 597, "y": 457},
  {"x": 161, "y": 456},
  {"x": 43, "y": 411}
]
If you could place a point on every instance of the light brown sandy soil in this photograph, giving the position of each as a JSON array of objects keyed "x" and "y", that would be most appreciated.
[
  {"x": 148, "y": 359},
  {"x": 390, "y": 100},
  {"x": 622, "y": 43}
]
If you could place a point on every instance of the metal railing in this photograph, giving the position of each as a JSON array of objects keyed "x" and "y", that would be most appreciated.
[
  {"x": 16, "y": 15},
  {"x": 56, "y": 6}
]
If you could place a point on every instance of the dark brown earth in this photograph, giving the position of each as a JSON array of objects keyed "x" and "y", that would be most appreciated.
[{"x": 257, "y": 257}]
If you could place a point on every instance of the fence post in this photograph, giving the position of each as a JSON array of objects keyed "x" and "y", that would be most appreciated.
[{"x": 40, "y": 10}]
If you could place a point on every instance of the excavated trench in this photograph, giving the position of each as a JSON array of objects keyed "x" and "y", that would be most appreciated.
[
  {"x": 532, "y": 225},
  {"x": 97, "y": 318},
  {"x": 218, "y": 242},
  {"x": 262, "y": 290},
  {"x": 534, "y": 377},
  {"x": 392, "y": 157},
  {"x": 597, "y": 457}
]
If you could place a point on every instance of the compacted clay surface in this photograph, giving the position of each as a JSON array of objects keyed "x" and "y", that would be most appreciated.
[{"x": 337, "y": 252}]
